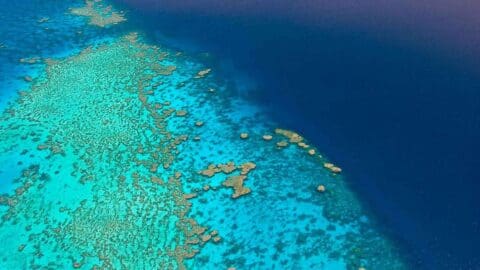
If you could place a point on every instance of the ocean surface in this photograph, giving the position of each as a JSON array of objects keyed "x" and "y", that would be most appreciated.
[{"x": 146, "y": 134}]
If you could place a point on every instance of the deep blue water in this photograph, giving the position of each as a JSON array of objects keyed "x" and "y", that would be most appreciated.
[{"x": 403, "y": 120}]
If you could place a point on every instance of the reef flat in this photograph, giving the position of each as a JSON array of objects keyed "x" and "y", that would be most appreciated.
[
  {"x": 80, "y": 124},
  {"x": 131, "y": 155}
]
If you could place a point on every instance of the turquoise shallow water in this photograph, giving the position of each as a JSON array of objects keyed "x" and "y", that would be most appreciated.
[{"x": 118, "y": 152}]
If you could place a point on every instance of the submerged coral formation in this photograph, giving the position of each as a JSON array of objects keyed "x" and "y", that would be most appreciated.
[
  {"x": 236, "y": 182},
  {"x": 99, "y": 14},
  {"x": 203, "y": 73}
]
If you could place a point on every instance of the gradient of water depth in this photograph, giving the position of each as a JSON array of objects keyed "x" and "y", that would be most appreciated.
[
  {"x": 390, "y": 89},
  {"x": 239, "y": 135}
]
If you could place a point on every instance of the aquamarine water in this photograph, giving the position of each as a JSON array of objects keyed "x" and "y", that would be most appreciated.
[{"x": 118, "y": 152}]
